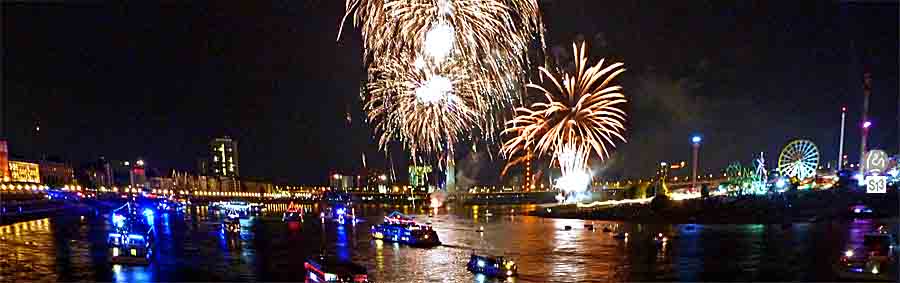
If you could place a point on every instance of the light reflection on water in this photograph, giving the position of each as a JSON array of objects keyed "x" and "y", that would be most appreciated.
[{"x": 194, "y": 247}]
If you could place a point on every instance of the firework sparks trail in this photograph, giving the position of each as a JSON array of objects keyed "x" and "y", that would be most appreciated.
[
  {"x": 426, "y": 109},
  {"x": 580, "y": 116},
  {"x": 488, "y": 40}
]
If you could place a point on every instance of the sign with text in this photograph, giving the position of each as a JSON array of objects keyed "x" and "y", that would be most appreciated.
[
  {"x": 876, "y": 184},
  {"x": 876, "y": 161}
]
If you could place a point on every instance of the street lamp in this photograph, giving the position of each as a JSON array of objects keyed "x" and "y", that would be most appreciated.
[
  {"x": 865, "y": 136},
  {"x": 841, "y": 145},
  {"x": 695, "y": 142}
]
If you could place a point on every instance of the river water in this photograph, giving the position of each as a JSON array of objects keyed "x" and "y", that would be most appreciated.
[{"x": 192, "y": 247}]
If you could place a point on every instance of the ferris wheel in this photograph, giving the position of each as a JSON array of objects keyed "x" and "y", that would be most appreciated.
[{"x": 799, "y": 159}]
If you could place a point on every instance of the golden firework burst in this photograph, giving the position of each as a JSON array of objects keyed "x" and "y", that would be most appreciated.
[
  {"x": 427, "y": 109},
  {"x": 580, "y": 116}
]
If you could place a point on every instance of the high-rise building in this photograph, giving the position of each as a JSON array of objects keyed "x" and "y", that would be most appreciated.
[
  {"x": 223, "y": 159},
  {"x": 344, "y": 182},
  {"x": 138, "y": 176},
  {"x": 450, "y": 177},
  {"x": 418, "y": 175}
]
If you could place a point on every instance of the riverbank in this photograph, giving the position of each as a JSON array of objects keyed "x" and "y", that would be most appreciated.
[
  {"x": 16, "y": 208},
  {"x": 786, "y": 208}
]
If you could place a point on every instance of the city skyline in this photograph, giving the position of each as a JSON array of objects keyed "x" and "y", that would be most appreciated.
[
  {"x": 451, "y": 141},
  {"x": 285, "y": 86}
]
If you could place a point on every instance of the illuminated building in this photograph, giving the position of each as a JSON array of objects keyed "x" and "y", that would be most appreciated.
[
  {"x": 343, "y": 182},
  {"x": 418, "y": 175},
  {"x": 57, "y": 173},
  {"x": 223, "y": 158},
  {"x": 26, "y": 172},
  {"x": 137, "y": 174},
  {"x": 450, "y": 181},
  {"x": 4, "y": 161}
]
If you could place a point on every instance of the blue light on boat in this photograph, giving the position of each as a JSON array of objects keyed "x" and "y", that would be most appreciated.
[
  {"x": 480, "y": 263},
  {"x": 114, "y": 235},
  {"x": 341, "y": 211},
  {"x": 118, "y": 220},
  {"x": 149, "y": 214},
  {"x": 135, "y": 237}
]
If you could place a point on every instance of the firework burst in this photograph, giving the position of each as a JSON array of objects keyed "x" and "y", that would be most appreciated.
[
  {"x": 579, "y": 117},
  {"x": 426, "y": 109},
  {"x": 487, "y": 39}
]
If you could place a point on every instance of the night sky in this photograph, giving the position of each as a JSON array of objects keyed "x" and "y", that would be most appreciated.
[{"x": 130, "y": 81}]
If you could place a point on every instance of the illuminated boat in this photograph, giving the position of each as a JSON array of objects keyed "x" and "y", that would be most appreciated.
[
  {"x": 341, "y": 213},
  {"x": 131, "y": 241},
  {"x": 402, "y": 229},
  {"x": 293, "y": 214},
  {"x": 169, "y": 205},
  {"x": 322, "y": 269},
  {"x": 861, "y": 211},
  {"x": 877, "y": 260},
  {"x": 243, "y": 208},
  {"x": 496, "y": 267},
  {"x": 232, "y": 221}
]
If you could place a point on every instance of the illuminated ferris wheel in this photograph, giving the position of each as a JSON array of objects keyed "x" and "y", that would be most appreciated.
[{"x": 799, "y": 159}]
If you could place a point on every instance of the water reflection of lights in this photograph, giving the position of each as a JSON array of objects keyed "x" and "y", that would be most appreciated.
[
  {"x": 480, "y": 278},
  {"x": 29, "y": 244},
  {"x": 131, "y": 273},
  {"x": 567, "y": 241},
  {"x": 39, "y": 225},
  {"x": 379, "y": 255},
  {"x": 342, "y": 247}
]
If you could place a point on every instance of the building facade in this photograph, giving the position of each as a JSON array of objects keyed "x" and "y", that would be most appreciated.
[
  {"x": 344, "y": 182},
  {"x": 99, "y": 173},
  {"x": 25, "y": 172},
  {"x": 223, "y": 158},
  {"x": 138, "y": 174},
  {"x": 4, "y": 161},
  {"x": 56, "y": 173}
]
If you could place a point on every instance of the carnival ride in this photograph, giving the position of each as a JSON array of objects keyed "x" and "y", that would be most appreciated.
[{"x": 799, "y": 160}]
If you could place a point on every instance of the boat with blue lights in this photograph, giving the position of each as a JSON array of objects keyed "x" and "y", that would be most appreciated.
[
  {"x": 875, "y": 261},
  {"x": 862, "y": 211},
  {"x": 494, "y": 267},
  {"x": 232, "y": 221},
  {"x": 323, "y": 269},
  {"x": 131, "y": 241},
  {"x": 400, "y": 228}
]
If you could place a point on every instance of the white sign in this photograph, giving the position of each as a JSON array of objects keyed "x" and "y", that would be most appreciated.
[
  {"x": 876, "y": 184},
  {"x": 876, "y": 161}
]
